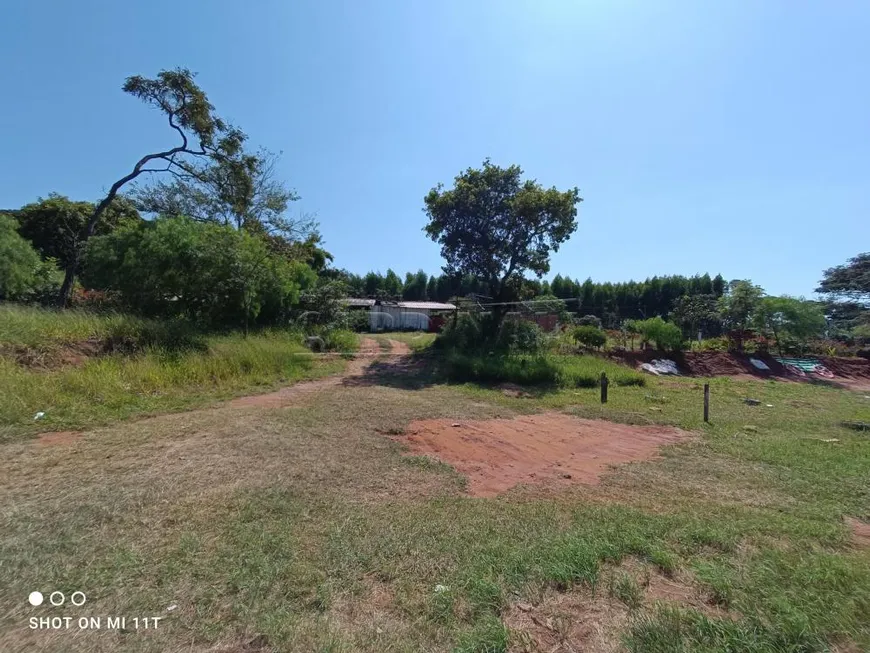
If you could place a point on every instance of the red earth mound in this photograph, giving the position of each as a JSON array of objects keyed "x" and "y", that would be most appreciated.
[
  {"x": 848, "y": 372},
  {"x": 498, "y": 454}
]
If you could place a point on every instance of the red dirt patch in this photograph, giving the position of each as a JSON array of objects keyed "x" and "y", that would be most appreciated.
[
  {"x": 498, "y": 454},
  {"x": 59, "y": 438},
  {"x": 860, "y": 532}
]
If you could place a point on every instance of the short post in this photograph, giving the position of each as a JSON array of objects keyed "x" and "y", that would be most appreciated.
[
  {"x": 706, "y": 402},
  {"x": 604, "y": 383}
]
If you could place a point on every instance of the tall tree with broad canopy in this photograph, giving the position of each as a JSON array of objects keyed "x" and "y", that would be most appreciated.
[
  {"x": 850, "y": 281},
  {"x": 737, "y": 306},
  {"x": 789, "y": 319},
  {"x": 495, "y": 226},
  {"x": 203, "y": 136}
]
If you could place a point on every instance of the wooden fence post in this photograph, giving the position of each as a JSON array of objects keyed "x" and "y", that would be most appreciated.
[
  {"x": 604, "y": 383},
  {"x": 706, "y": 402}
]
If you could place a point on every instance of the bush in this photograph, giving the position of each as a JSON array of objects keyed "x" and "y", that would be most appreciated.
[
  {"x": 667, "y": 336},
  {"x": 516, "y": 336},
  {"x": 589, "y": 336},
  {"x": 566, "y": 372},
  {"x": 209, "y": 273},
  {"x": 588, "y": 320},
  {"x": 465, "y": 333},
  {"x": 23, "y": 275},
  {"x": 472, "y": 333},
  {"x": 359, "y": 321}
]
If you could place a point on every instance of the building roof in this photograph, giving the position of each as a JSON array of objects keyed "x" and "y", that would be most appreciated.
[{"x": 433, "y": 306}]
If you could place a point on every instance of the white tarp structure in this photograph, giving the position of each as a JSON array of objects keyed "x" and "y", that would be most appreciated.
[
  {"x": 759, "y": 364},
  {"x": 660, "y": 366}
]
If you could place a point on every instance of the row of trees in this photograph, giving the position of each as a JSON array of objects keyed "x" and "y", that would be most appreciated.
[{"x": 612, "y": 302}]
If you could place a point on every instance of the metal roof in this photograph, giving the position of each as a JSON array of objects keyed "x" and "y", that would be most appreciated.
[
  {"x": 352, "y": 301},
  {"x": 435, "y": 306}
]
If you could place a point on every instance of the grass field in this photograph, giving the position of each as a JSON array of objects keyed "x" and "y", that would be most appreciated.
[{"x": 305, "y": 528}]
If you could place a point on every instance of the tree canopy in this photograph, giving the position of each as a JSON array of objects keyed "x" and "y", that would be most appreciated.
[
  {"x": 55, "y": 225},
  {"x": 849, "y": 281},
  {"x": 495, "y": 226},
  {"x": 201, "y": 134}
]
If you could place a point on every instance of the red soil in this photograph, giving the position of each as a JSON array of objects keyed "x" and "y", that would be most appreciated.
[
  {"x": 59, "y": 438},
  {"x": 498, "y": 454},
  {"x": 853, "y": 373}
]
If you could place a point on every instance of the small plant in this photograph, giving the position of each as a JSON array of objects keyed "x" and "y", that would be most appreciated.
[{"x": 625, "y": 588}]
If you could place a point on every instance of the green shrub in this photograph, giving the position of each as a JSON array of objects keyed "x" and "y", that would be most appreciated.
[
  {"x": 562, "y": 371},
  {"x": 588, "y": 320},
  {"x": 667, "y": 336},
  {"x": 23, "y": 275},
  {"x": 589, "y": 336},
  {"x": 519, "y": 336},
  {"x": 464, "y": 333},
  {"x": 359, "y": 321}
]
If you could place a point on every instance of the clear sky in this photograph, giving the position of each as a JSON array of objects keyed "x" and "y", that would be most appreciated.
[{"x": 728, "y": 137}]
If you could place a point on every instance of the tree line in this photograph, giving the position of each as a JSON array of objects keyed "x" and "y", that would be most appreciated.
[
  {"x": 611, "y": 302},
  {"x": 203, "y": 230}
]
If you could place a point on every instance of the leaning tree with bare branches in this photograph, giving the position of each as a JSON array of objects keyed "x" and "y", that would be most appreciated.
[{"x": 204, "y": 137}]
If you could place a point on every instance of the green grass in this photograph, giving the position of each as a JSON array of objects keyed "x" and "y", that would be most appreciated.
[
  {"x": 308, "y": 527},
  {"x": 188, "y": 370},
  {"x": 45, "y": 330},
  {"x": 546, "y": 369}
]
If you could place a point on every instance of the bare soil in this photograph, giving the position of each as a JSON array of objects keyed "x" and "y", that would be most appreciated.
[
  {"x": 860, "y": 532},
  {"x": 496, "y": 455},
  {"x": 59, "y": 438}
]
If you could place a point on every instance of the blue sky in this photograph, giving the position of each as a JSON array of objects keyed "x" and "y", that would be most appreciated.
[{"x": 728, "y": 137}]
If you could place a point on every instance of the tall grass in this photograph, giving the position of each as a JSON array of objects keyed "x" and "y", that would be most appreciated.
[
  {"x": 148, "y": 366},
  {"x": 546, "y": 369},
  {"x": 45, "y": 329}
]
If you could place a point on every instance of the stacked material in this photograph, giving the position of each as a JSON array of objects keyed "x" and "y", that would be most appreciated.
[{"x": 804, "y": 366}]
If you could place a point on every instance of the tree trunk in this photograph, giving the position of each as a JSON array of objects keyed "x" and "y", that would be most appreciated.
[{"x": 72, "y": 269}]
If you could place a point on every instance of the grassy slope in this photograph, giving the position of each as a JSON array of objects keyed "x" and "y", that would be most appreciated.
[
  {"x": 291, "y": 525},
  {"x": 173, "y": 370}
]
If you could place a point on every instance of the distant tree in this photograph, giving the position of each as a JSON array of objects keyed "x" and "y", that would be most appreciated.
[
  {"x": 737, "y": 306},
  {"x": 789, "y": 319},
  {"x": 719, "y": 285},
  {"x": 414, "y": 288},
  {"x": 697, "y": 312},
  {"x": 493, "y": 225},
  {"x": 55, "y": 225},
  {"x": 392, "y": 285},
  {"x": 850, "y": 281},
  {"x": 191, "y": 115},
  {"x": 372, "y": 283},
  {"x": 432, "y": 289}
]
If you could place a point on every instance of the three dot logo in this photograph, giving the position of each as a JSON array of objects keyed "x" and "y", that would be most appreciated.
[{"x": 57, "y": 598}]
